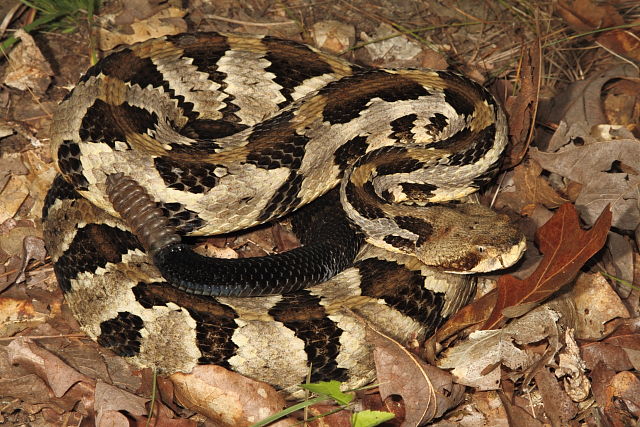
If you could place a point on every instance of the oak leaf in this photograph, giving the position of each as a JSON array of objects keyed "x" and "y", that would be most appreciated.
[{"x": 566, "y": 247}]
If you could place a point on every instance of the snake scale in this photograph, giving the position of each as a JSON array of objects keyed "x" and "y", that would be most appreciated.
[{"x": 205, "y": 133}]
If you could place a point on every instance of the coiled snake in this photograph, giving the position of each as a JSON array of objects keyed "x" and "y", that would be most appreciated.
[{"x": 206, "y": 133}]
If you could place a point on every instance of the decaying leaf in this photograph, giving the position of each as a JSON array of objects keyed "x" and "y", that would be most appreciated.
[
  {"x": 557, "y": 404},
  {"x": 618, "y": 395},
  {"x": 110, "y": 400},
  {"x": 225, "y": 396},
  {"x": 17, "y": 315},
  {"x": 597, "y": 303},
  {"x": 591, "y": 165},
  {"x": 167, "y": 21},
  {"x": 521, "y": 109},
  {"x": 571, "y": 369},
  {"x": 333, "y": 36},
  {"x": 619, "y": 352},
  {"x": 566, "y": 247},
  {"x": 57, "y": 374},
  {"x": 585, "y": 15},
  {"x": 477, "y": 361},
  {"x": 618, "y": 261},
  {"x": 533, "y": 188},
  {"x": 29, "y": 70},
  {"x": 427, "y": 392},
  {"x": 476, "y": 312},
  {"x": 578, "y": 109},
  {"x": 392, "y": 51}
]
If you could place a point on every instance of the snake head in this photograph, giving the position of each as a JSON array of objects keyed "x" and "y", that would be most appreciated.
[{"x": 470, "y": 238}]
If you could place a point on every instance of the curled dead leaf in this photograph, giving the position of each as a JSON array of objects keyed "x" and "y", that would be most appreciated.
[
  {"x": 226, "y": 397},
  {"x": 57, "y": 374},
  {"x": 477, "y": 361},
  {"x": 427, "y": 391},
  {"x": 29, "y": 69}
]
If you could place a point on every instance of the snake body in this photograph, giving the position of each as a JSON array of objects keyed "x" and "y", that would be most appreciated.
[{"x": 221, "y": 132}]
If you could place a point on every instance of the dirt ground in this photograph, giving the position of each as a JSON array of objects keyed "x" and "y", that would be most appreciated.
[{"x": 553, "y": 342}]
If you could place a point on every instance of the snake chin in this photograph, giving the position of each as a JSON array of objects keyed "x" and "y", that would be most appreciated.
[{"x": 492, "y": 259}]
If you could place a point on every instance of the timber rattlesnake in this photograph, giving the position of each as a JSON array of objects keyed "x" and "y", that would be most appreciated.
[{"x": 222, "y": 132}]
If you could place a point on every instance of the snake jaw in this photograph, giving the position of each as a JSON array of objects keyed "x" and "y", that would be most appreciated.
[{"x": 496, "y": 259}]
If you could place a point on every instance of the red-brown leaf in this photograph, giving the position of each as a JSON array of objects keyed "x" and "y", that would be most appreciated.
[{"x": 566, "y": 247}]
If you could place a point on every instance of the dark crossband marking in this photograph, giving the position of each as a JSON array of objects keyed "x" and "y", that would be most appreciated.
[
  {"x": 183, "y": 219},
  {"x": 128, "y": 67},
  {"x": 285, "y": 64},
  {"x": 416, "y": 192},
  {"x": 402, "y": 289},
  {"x": 122, "y": 334},
  {"x": 484, "y": 141},
  {"x": 347, "y": 153},
  {"x": 204, "y": 52},
  {"x": 465, "y": 85},
  {"x": 346, "y": 98},
  {"x": 402, "y": 127},
  {"x": 61, "y": 190},
  {"x": 357, "y": 198},
  {"x": 275, "y": 144},
  {"x": 214, "y": 321},
  {"x": 417, "y": 226},
  {"x": 70, "y": 165},
  {"x": 194, "y": 177},
  {"x": 103, "y": 122},
  {"x": 303, "y": 314},
  {"x": 400, "y": 242},
  {"x": 438, "y": 123},
  {"x": 285, "y": 198},
  {"x": 93, "y": 246}
]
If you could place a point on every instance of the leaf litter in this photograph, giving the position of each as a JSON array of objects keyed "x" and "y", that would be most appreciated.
[{"x": 564, "y": 347}]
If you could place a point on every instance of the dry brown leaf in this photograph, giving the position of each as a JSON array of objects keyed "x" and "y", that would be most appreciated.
[
  {"x": 13, "y": 194},
  {"x": 333, "y": 36},
  {"x": 600, "y": 378},
  {"x": 337, "y": 419},
  {"x": 392, "y": 51},
  {"x": 572, "y": 369},
  {"x": 16, "y": 315},
  {"x": 226, "y": 397},
  {"x": 578, "y": 108},
  {"x": 618, "y": 261},
  {"x": 28, "y": 70},
  {"x": 477, "y": 361},
  {"x": 621, "y": 104},
  {"x": 532, "y": 188},
  {"x": 517, "y": 416},
  {"x": 471, "y": 314},
  {"x": 590, "y": 165},
  {"x": 427, "y": 391},
  {"x": 596, "y": 304},
  {"x": 166, "y": 22},
  {"x": 110, "y": 400},
  {"x": 566, "y": 247},
  {"x": 622, "y": 399},
  {"x": 557, "y": 404},
  {"x": 521, "y": 109},
  {"x": 584, "y": 15},
  {"x": 620, "y": 351},
  {"x": 57, "y": 374},
  {"x": 477, "y": 408},
  {"x": 623, "y": 42}
]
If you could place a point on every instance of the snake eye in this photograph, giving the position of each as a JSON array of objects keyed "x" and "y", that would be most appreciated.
[{"x": 480, "y": 249}]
